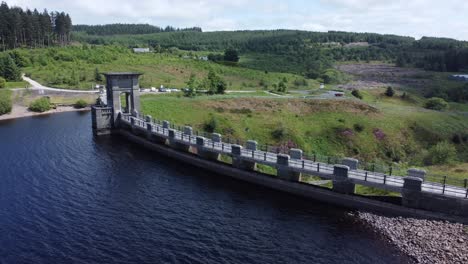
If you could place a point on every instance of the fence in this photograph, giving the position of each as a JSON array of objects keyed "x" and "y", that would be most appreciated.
[{"x": 368, "y": 171}]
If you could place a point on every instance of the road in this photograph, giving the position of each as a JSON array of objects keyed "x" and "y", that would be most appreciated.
[{"x": 37, "y": 86}]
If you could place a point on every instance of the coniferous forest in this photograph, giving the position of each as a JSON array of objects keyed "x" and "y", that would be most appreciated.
[{"x": 26, "y": 28}]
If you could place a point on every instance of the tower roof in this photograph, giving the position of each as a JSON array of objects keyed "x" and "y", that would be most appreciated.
[{"x": 122, "y": 74}]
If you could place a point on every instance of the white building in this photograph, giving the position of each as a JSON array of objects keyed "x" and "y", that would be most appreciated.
[{"x": 141, "y": 50}]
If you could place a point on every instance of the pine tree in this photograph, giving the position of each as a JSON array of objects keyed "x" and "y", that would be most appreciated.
[
  {"x": 97, "y": 75},
  {"x": 9, "y": 70}
]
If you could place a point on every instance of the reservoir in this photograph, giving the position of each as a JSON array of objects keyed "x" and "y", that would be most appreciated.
[{"x": 69, "y": 197}]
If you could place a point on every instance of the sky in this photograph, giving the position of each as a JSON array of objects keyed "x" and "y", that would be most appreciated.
[{"x": 416, "y": 18}]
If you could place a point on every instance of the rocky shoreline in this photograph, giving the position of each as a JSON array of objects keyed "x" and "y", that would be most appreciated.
[{"x": 424, "y": 241}]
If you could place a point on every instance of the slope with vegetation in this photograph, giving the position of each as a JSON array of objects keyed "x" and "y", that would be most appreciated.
[
  {"x": 75, "y": 67},
  {"x": 304, "y": 52},
  {"x": 378, "y": 128}
]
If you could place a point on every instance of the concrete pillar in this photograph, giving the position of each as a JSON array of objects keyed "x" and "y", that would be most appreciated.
[
  {"x": 295, "y": 153},
  {"x": 215, "y": 137},
  {"x": 148, "y": 118},
  {"x": 341, "y": 182},
  {"x": 412, "y": 183},
  {"x": 239, "y": 162},
  {"x": 132, "y": 124},
  {"x": 353, "y": 164},
  {"x": 283, "y": 171},
  {"x": 188, "y": 131},
  {"x": 414, "y": 197},
  {"x": 417, "y": 173},
  {"x": 251, "y": 145},
  {"x": 149, "y": 131},
  {"x": 411, "y": 193},
  {"x": 177, "y": 144},
  {"x": 171, "y": 134},
  {"x": 155, "y": 137},
  {"x": 127, "y": 103},
  {"x": 203, "y": 152}
]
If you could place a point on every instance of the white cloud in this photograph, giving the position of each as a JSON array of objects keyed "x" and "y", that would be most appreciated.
[{"x": 404, "y": 17}]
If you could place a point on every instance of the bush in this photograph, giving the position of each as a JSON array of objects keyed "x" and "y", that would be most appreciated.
[
  {"x": 280, "y": 133},
  {"x": 442, "y": 153},
  {"x": 436, "y": 103},
  {"x": 5, "y": 102},
  {"x": 358, "y": 127},
  {"x": 2, "y": 82},
  {"x": 357, "y": 94},
  {"x": 333, "y": 76},
  {"x": 40, "y": 105},
  {"x": 389, "y": 92},
  {"x": 80, "y": 104},
  {"x": 211, "y": 125}
]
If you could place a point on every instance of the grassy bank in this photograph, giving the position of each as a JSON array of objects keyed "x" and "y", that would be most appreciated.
[
  {"x": 386, "y": 130},
  {"x": 20, "y": 84}
]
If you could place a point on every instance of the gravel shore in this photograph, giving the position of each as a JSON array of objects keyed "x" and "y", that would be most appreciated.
[
  {"x": 425, "y": 241},
  {"x": 19, "y": 111}
]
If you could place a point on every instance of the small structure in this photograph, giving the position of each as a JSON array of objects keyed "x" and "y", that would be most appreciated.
[
  {"x": 141, "y": 50},
  {"x": 106, "y": 114},
  {"x": 460, "y": 77}
]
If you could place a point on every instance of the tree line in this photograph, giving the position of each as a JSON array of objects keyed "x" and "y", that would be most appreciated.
[
  {"x": 307, "y": 52},
  {"x": 128, "y": 29},
  {"x": 26, "y": 28}
]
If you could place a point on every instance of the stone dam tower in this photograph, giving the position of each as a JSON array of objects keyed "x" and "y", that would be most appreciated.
[{"x": 118, "y": 84}]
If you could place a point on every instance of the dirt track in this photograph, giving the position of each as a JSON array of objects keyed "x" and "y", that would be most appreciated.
[{"x": 371, "y": 76}]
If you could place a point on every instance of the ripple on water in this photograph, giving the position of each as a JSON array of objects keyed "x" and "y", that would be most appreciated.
[{"x": 67, "y": 197}]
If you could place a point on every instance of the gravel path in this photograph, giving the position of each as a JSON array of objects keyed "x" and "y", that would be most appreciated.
[{"x": 425, "y": 241}]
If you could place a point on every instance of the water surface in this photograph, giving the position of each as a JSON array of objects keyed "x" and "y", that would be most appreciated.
[{"x": 67, "y": 197}]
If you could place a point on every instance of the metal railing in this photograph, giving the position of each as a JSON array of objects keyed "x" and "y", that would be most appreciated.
[{"x": 309, "y": 164}]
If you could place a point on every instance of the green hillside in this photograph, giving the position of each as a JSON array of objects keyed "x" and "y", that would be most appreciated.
[{"x": 74, "y": 67}]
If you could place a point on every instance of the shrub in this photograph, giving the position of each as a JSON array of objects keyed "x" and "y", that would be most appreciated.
[
  {"x": 357, "y": 94},
  {"x": 80, "y": 104},
  {"x": 40, "y": 105},
  {"x": 211, "y": 125},
  {"x": 2, "y": 82},
  {"x": 5, "y": 102},
  {"x": 436, "y": 103},
  {"x": 389, "y": 92},
  {"x": 358, "y": 127},
  {"x": 442, "y": 153},
  {"x": 280, "y": 132}
]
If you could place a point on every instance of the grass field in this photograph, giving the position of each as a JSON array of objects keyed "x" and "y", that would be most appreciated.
[
  {"x": 20, "y": 84},
  {"x": 74, "y": 67}
]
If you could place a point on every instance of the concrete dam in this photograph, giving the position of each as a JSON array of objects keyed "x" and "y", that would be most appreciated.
[{"x": 419, "y": 197}]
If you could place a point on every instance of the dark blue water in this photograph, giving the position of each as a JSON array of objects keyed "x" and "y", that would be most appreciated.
[{"x": 67, "y": 197}]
